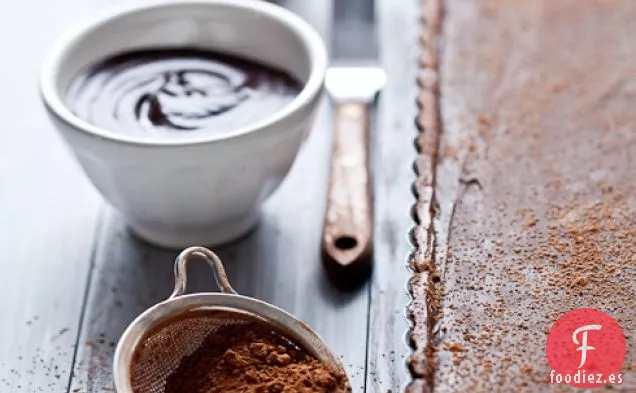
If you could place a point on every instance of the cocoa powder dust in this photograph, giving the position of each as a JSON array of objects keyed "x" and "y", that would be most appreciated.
[{"x": 250, "y": 358}]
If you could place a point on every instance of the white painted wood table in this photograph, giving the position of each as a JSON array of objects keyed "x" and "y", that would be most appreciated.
[{"x": 73, "y": 278}]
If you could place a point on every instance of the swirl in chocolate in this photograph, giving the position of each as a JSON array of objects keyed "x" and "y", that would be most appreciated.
[{"x": 175, "y": 92}]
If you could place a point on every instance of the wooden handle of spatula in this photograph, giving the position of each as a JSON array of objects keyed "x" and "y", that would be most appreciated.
[{"x": 347, "y": 240}]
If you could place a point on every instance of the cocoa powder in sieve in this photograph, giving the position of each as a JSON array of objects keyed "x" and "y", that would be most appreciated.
[{"x": 250, "y": 358}]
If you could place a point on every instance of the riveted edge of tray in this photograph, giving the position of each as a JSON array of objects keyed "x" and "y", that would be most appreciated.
[{"x": 423, "y": 306}]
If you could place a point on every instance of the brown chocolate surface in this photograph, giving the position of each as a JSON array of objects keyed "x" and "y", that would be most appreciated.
[
  {"x": 526, "y": 187},
  {"x": 176, "y": 91}
]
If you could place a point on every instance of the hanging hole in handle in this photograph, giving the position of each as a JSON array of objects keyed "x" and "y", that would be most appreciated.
[
  {"x": 346, "y": 242},
  {"x": 181, "y": 274}
]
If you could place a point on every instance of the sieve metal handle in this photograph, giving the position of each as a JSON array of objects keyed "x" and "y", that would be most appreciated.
[{"x": 180, "y": 270}]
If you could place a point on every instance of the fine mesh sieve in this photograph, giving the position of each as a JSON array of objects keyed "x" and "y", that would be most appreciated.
[{"x": 154, "y": 344}]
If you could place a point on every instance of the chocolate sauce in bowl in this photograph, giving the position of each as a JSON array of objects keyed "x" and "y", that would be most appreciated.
[{"x": 176, "y": 92}]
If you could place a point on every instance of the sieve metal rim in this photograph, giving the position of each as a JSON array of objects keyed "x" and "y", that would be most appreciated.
[{"x": 228, "y": 300}]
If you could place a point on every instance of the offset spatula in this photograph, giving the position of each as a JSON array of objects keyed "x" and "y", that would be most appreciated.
[{"x": 352, "y": 82}]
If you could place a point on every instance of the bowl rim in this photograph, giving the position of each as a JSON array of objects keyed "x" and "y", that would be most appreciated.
[{"x": 50, "y": 69}]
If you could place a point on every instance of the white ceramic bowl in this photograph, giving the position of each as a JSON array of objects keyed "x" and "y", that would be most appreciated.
[{"x": 201, "y": 190}]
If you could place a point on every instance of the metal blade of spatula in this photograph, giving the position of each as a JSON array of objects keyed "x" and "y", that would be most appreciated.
[{"x": 352, "y": 81}]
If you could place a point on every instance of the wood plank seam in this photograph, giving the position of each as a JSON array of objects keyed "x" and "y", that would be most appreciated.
[
  {"x": 365, "y": 379},
  {"x": 99, "y": 228},
  {"x": 423, "y": 307}
]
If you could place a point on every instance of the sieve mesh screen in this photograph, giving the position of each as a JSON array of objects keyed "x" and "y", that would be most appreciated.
[{"x": 160, "y": 352}]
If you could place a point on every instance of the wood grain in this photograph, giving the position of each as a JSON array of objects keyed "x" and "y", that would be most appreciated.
[
  {"x": 534, "y": 189},
  {"x": 347, "y": 237},
  {"x": 48, "y": 212}
]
